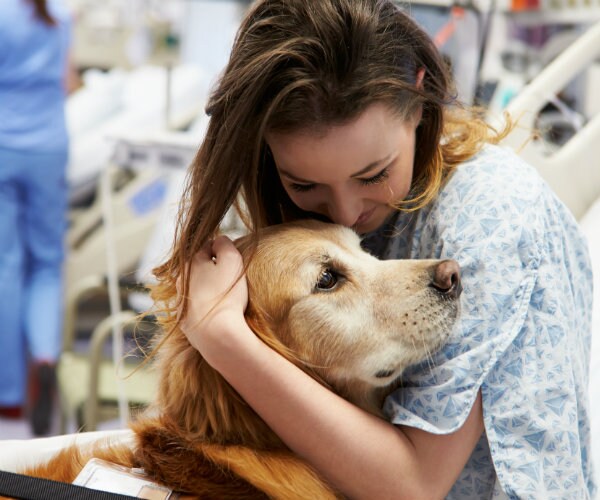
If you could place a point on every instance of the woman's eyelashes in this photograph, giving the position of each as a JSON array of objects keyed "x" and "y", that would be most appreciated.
[
  {"x": 369, "y": 181},
  {"x": 302, "y": 188},
  {"x": 377, "y": 178}
]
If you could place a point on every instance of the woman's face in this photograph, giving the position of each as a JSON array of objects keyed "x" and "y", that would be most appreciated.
[{"x": 351, "y": 173}]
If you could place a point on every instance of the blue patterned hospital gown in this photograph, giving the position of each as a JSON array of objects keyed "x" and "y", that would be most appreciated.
[{"x": 523, "y": 336}]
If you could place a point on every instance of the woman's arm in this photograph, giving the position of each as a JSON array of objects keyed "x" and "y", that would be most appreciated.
[{"x": 363, "y": 455}]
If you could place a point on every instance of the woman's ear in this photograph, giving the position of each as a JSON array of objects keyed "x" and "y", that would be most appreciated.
[
  {"x": 419, "y": 85},
  {"x": 420, "y": 77}
]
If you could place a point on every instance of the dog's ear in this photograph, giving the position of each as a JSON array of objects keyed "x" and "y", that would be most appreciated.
[
  {"x": 258, "y": 321},
  {"x": 247, "y": 245},
  {"x": 201, "y": 402}
]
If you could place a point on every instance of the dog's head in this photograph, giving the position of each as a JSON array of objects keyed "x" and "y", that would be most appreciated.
[{"x": 352, "y": 320}]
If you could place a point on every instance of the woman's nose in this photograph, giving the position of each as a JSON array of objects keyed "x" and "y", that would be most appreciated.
[{"x": 344, "y": 211}]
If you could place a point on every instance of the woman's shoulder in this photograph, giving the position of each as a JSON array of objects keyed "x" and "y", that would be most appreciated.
[
  {"x": 496, "y": 202},
  {"x": 494, "y": 181},
  {"x": 497, "y": 169},
  {"x": 493, "y": 199},
  {"x": 495, "y": 196}
]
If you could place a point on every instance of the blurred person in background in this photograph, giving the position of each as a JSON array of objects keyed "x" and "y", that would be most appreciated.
[{"x": 34, "y": 79}]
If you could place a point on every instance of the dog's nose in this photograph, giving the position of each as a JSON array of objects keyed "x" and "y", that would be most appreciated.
[{"x": 446, "y": 278}]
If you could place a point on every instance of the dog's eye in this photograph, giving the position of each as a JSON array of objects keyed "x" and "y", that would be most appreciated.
[{"x": 327, "y": 280}]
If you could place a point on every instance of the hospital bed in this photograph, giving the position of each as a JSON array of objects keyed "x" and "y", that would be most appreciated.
[
  {"x": 573, "y": 172},
  {"x": 147, "y": 101}
]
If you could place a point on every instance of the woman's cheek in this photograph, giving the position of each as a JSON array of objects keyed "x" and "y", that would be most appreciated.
[{"x": 301, "y": 200}]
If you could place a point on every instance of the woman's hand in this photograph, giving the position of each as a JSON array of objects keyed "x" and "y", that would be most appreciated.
[{"x": 216, "y": 300}]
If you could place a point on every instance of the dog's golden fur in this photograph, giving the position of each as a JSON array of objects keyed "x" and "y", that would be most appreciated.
[{"x": 349, "y": 320}]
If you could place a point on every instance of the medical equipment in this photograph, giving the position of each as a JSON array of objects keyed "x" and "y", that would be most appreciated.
[{"x": 572, "y": 171}]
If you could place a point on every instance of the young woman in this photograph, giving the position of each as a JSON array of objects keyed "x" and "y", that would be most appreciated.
[{"x": 343, "y": 110}]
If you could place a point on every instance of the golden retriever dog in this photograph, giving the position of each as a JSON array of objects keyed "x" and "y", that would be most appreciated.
[{"x": 351, "y": 321}]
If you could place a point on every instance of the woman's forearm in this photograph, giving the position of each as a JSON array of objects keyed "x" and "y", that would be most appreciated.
[{"x": 363, "y": 455}]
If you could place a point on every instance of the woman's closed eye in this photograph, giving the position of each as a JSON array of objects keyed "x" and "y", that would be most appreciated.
[
  {"x": 369, "y": 181},
  {"x": 302, "y": 188},
  {"x": 377, "y": 178}
]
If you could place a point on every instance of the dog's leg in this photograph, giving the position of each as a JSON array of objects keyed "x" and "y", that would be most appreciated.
[
  {"x": 226, "y": 472},
  {"x": 280, "y": 475}
]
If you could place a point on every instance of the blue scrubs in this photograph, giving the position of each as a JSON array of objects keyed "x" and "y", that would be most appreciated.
[{"x": 33, "y": 193}]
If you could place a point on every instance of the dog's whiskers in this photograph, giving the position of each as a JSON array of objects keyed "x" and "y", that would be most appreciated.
[{"x": 428, "y": 354}]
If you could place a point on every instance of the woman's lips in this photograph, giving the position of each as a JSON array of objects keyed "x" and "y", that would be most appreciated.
[{"x": 364, "y": 217}]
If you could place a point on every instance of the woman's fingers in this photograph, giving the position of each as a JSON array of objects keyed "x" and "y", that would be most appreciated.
[
  {"x": 215, "y": 269},
  {"x": 224, "y": 250},
  {"x": 217, "y": 291}
]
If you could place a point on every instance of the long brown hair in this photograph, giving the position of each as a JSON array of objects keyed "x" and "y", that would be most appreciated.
[
  {"x": 297, "y": 65},
  {"x": 42, "y": 12}
]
